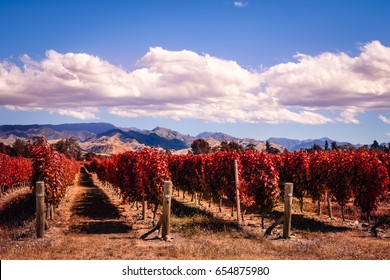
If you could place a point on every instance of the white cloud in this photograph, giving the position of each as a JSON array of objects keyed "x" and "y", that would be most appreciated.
[
  {"x": 335, "y": 81},
  {"x": 384, "y": 119},
  {"x": 184, "y": 84},
  {"x": 348, "y": 115},
  {"x": 88, "y": 113},
  {"x": 170, "y": 84},
  {"x": 240, "y": 4},
  {"x": 222, "y": 113}
]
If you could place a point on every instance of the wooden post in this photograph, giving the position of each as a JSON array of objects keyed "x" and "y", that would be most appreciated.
[
  {"x": 301, "y": 204},
  {"x": 319, "y": 207},
  {"x": 238, "y": 206},
  {"x": 288, "y": 195},
  {"x": 166, "y": 224},
  {"x": 262, "y": 219},
  {"x": 200, "y": 198},
  {"x": 40, "y": 208},
  {"x": 243, "y": 215},
  {"x": 155, "y": 213},
  {"x": 49, "y": 211},
  {"x": 329, "y": 205},
  {"x": 144, "y": 206}
]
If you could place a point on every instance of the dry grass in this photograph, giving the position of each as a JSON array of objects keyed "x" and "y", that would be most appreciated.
[{"x": 78, "y": 233}]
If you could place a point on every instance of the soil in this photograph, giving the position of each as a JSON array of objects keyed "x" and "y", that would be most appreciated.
[{"x": 93, "y": 222}]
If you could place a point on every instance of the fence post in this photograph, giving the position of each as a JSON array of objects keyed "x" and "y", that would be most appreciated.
[
  {"x": 288, "y": 194},
  {"x": 238, "y": 206},
  {"x": 166, "y": 224},
  {"x": 328, "y": 200},
  {"x": 144, "y": 206},
  {"x": 40, "y": 208}
]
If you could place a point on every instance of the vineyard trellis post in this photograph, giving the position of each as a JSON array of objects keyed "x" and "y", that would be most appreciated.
[
  {"x": 288, "y": 195},
  {"x": 238, "y": 206},
  {"x": 328, "y": 199},
  {"x": 40, "y": 208},
  {"x": 144, "y": 206},
  {"x": 166, "y": 224}
]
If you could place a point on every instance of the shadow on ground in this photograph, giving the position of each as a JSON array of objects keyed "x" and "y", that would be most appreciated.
[
  {"x": 96, "y": 206},
  {"x": 18, "y": 210},
  {"x": 199, "y": 219},
  {"x": 299, "y": 222},
  {"x": 101, "y": 227}
]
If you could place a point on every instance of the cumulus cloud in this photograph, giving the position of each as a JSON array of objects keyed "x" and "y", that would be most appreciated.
[
  {"x": 222, "y": 113},
  {"x": 240, "y": 4},
  {"x": 334, "y": 81},
  {"x": 170, "y": 84},
  {"x": 185, "y": 84}
]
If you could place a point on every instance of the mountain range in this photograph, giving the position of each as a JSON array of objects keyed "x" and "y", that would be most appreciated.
[
  {"x": 294, "y": 145},
  {"x": 106, "y": 138}
]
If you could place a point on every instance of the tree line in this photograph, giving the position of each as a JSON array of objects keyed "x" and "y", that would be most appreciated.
[{"x": 69, "y": 147}]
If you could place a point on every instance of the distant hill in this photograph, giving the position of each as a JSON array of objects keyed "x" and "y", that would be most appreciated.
[
  {"x": 112, "y": 143},
  {"x": 149, "y": 138},
  {"x": 294, "y": 145},
  {"x": 50, "y": 134},
  {"x": 95, "y": 128},
  {"x": 217, "y": 136},
  {"x": 108, "y": 139},
  {"x": 173, "y": 135}
]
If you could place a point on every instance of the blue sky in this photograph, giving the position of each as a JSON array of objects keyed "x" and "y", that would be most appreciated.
[{"x": 258, "y": 69}]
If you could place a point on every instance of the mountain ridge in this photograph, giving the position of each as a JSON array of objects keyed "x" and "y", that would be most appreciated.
[
  {"x": 106, "y": 137},
  {"x": 295, "y": 144}
]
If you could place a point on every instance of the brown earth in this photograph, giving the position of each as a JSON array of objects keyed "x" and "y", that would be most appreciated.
[{"x": 92, "y": 222}]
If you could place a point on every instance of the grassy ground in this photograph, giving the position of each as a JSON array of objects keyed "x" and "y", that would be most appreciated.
[{"x": 92, "y": 223}]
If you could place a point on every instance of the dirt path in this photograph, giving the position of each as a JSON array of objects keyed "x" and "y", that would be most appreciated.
[{"x": 93, "y": 212}]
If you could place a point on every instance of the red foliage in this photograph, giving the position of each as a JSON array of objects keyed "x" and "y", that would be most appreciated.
[
  {"x": 259, "y": 179},
  {"x": 360, "y": 175},
  {"x": 14, "y": 170},
  {"x": 294, "y": 168},
  {"x": 341, "y": 173},
  {"x": 318, "y": 174},
  {"x": 53, "y": 168},
  {"x": 222, "y": 180},
  {"x": 137, "y": 174},
  {"x": 371, "y": 181},
  {"x": 187, "y": 172}
]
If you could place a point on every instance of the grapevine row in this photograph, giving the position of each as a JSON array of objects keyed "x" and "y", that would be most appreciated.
[
  {"x": 14, "y": 171},
  {"x": 358, "y": 176},
  {"x": 53, "y": 168},
  {"x": 138, "y": 175}
]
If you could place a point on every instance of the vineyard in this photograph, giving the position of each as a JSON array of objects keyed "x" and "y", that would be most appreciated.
[
  {"x": 14, "y": 172},
  {"x": 120, "y": 195},
  {"x": 358, "y": 176}
]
